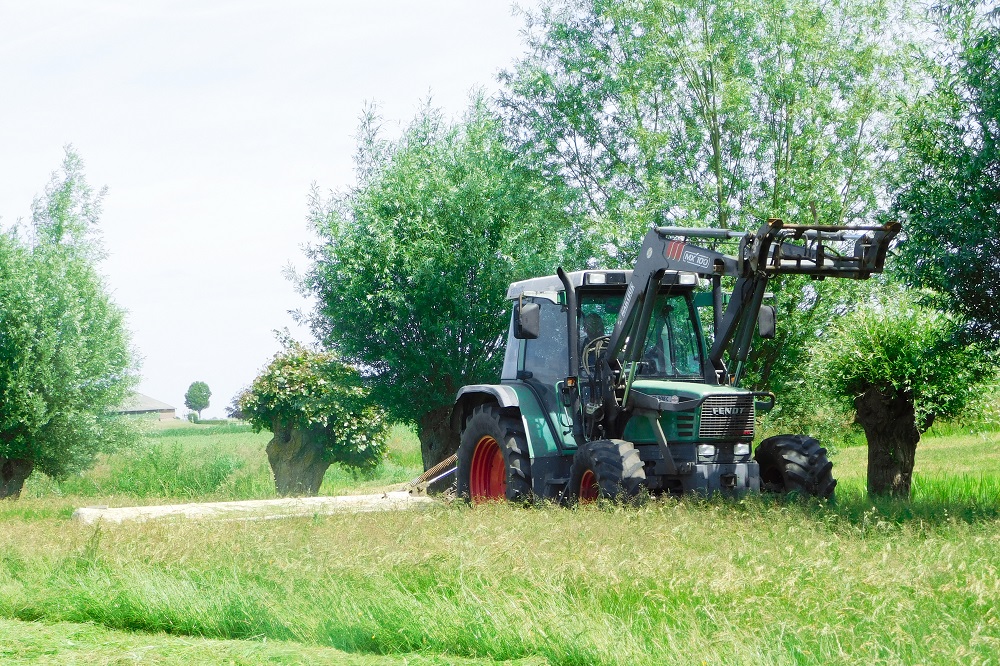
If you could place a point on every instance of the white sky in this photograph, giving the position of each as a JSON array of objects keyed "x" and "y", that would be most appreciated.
[{"x": 208, "y": 121}]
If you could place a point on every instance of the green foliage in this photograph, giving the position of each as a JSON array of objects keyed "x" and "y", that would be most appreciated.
[
  {"x": 303, "y": 388},
  {"x": 233, "y": 410},
  {"x": 804, "y": 308},
  {"x": 65, "y": 359},
  {"x": 948, "y": 179},
  {"x": 725, "y": 112},
  {"x": 412, "y": 273},
  {"x": 805, "y": 409},
  {"x": 898, "y": 345},
  {"x": 68, "y": 214},
  {"x": 719, "y": 113},
  {"x": 197, "y": 397}
]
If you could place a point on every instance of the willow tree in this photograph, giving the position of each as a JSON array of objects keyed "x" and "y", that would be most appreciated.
[
  {"x": 414, "y": 262},
  {"x": 318, "y": 411},
  {"x": 65, "y": 357},
  {"x": 900, "y": 363},
  {"x": 715, "y": 112},
  {"x": 948, "y": 194}
]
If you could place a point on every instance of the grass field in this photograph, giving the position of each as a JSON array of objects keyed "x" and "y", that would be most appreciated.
[{"x": 672, "y": 582}]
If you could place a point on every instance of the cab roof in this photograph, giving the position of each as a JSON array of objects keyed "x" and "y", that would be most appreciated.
[{"x": 552, "y": 283}]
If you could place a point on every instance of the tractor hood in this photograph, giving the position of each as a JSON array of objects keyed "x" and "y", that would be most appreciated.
[
  {"x": 688, "y": 390},
  {"x": 717, "y": 413}
]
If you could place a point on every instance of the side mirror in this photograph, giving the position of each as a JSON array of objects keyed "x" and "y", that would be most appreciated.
[
  {"x": 527, "y": 321},
  {"x": 766, "y": 319}
]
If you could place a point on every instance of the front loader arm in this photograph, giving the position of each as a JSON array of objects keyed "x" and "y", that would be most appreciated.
[
  {"x": 659, "y": 254},
  {"x": 776, "y": 249}
]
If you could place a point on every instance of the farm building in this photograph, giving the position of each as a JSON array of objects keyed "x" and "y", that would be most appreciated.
[{"x": 142, "y": 405}]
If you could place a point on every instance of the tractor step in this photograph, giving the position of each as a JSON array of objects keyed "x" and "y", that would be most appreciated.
[{"x": 556, "y": 483}]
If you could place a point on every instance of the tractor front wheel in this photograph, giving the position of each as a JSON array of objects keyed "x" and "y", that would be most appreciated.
[
  {"x": 493, "y": 461},
  {"x": 608, "y": 468},
  {"x": 795, "y": 463}
]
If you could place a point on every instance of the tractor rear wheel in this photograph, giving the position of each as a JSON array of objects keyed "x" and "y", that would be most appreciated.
[
  {"x": 795, "y": 463},
  {"x": 493, "y": 461},
  {"x": 608, "y": 468}
]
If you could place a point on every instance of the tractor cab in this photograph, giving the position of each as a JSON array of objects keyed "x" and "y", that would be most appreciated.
[{"x": 674, "y": 347}]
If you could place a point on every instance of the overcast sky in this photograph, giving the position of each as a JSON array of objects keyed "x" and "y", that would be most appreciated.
[{"x": 208, "y": 122}]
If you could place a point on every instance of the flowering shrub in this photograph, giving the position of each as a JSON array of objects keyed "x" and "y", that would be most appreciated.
[{"x": 313, "y": 390}]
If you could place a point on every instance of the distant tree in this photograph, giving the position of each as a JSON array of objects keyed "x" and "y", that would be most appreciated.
[
  {"x": 320, "y": 413},
  {"x": 412, "y": 273},
  {"x": 899, "y": 364},
  {"x": 948, "y": 195},
  {"x": 65, "y": 357},
  {"x": 197, "y": 397}
]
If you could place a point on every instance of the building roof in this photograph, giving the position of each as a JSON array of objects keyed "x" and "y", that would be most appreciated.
[{"x": 138, "y": 402}]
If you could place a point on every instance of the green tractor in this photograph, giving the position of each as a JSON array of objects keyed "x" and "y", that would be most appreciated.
[{"x": 609, "y": 389}]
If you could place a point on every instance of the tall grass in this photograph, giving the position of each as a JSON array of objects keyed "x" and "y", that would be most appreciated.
[
  {"x": 184, "y": 463},
  {"x": 212, "y": 463},
  {"x": 61, "y": 643},
  {"x": 187, "y": 429},
  {"x": 673, "y": 582}
]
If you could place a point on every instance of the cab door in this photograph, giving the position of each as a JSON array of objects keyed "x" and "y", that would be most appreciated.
[{"x": 544, "y": 366}]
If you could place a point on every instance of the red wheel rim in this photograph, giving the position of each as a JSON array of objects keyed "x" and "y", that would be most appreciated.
[
  {"x": 488, "y": 476},
  {"x": 588, "y": 487}
]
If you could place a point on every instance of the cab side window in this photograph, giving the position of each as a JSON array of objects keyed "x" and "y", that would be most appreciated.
[
  {"x": 597, "y": 317},
  {"x": 547, "y": 357}
]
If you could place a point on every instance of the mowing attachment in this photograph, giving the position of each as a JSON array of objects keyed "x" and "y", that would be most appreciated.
[{"x": 418, "y": 486}]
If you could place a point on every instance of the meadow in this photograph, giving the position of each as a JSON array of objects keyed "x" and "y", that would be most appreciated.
[{"x": 691, "y": 581}]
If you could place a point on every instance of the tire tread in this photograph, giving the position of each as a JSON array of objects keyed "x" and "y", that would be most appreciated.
[{"x": 795, "y": 463}]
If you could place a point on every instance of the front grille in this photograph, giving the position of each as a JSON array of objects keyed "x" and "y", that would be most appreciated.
[{"x": 727, "y": 417}]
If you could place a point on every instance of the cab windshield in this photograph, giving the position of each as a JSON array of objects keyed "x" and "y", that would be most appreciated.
[{"x": 672, "y": 349}]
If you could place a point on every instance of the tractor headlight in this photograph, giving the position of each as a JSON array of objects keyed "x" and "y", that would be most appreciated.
[
  {"x": 706, "y": 450},
  {"x": 741, "y": 449}
]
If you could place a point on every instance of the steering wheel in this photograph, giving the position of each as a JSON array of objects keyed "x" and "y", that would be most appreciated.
[{"x": 593, "y": 349}]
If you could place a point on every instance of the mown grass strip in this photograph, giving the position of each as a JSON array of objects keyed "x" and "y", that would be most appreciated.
[{"x": 61, "y": 643}]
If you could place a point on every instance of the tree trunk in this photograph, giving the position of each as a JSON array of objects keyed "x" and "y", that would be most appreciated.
[
  {"x": 890, "y": 427},
  {"x": 13, "y": 473},
  {"x": 297, "y": 460},
  {"x": 437, "y": 442}
]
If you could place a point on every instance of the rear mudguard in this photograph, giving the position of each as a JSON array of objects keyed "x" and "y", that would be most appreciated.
[
  {"x": 542, "y": 441},
  {"x": 550, "y": 457}
]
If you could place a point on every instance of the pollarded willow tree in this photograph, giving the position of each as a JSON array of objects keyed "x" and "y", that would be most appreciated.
[
  {"x": 412, "y": 271},
  {"x": 65, "y": 356},
  {"x": 318, "y": 410},
  {"x": 715, "y": 112},
  {"x": 899, "y": 363}
]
